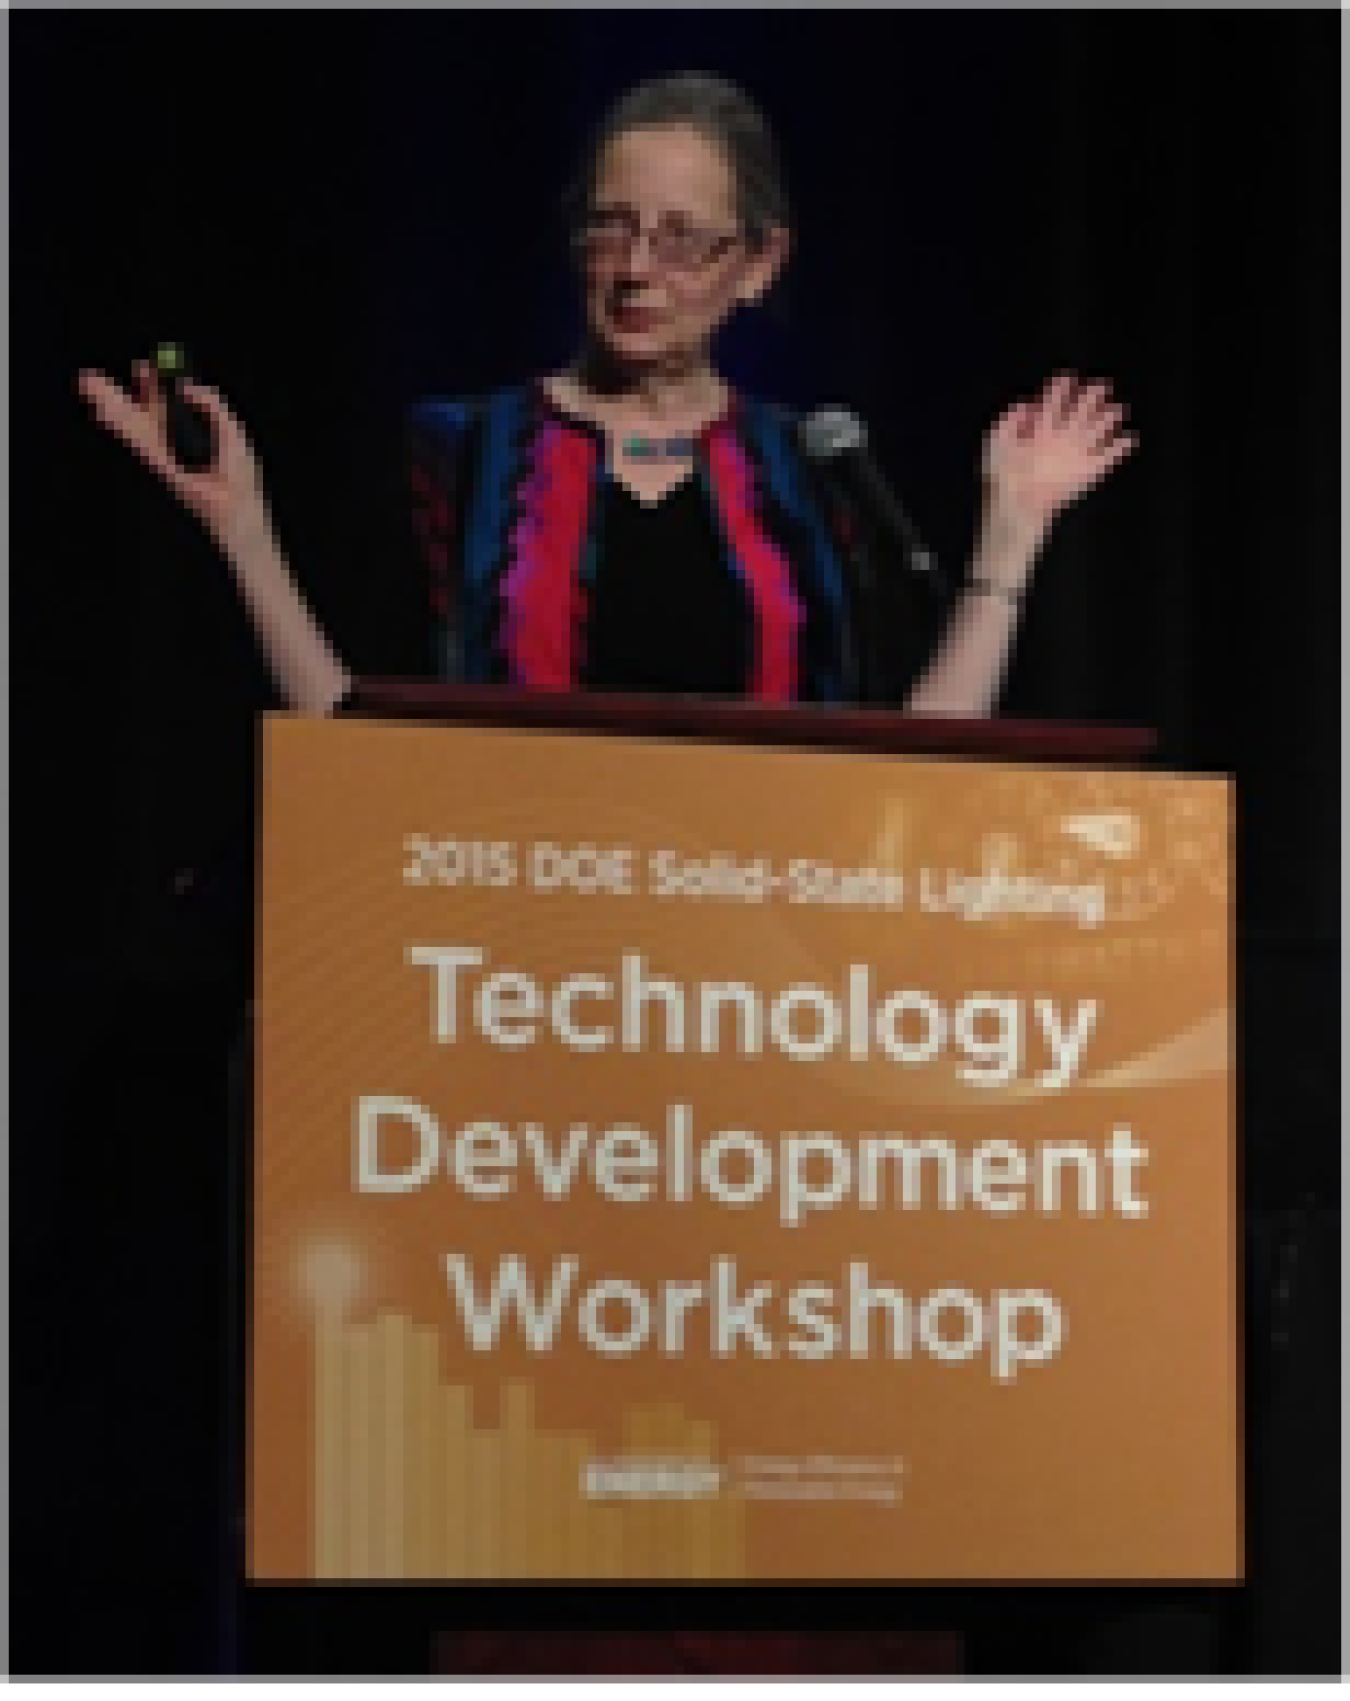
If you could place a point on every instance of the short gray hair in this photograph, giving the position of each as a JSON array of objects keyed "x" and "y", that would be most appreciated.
[{"x": 718, "y": 110}]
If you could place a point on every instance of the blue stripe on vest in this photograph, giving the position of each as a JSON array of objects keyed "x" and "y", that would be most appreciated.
[
  {"x": 779, "y": 458},
  {"x": 485, "y": 543}
]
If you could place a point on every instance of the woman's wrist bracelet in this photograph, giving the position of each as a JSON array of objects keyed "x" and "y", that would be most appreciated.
[{"x": 994, "y": 587}]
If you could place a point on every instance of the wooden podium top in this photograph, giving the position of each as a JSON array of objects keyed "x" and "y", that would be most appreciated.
[{"x": 844, "y": 728}]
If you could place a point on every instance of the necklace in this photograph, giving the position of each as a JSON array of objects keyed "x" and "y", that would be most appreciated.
[{"x": 658, "y": 448}]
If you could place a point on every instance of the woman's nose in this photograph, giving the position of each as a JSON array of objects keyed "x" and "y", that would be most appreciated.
[{"x": 638, "y": 259}]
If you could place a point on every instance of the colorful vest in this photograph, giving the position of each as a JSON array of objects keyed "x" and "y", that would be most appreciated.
[{"x": 508, "y": 497}]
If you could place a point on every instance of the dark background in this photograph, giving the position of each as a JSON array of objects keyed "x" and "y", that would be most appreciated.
[{"x": 338, "y": 213}]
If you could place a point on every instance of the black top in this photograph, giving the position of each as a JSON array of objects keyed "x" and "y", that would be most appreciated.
[{"x": 665, "y": 616}]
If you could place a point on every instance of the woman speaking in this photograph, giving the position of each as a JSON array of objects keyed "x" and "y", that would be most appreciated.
[{"x": 631, "y": 522}]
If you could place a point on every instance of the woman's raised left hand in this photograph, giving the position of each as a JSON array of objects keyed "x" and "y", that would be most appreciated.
[{"x": 1040, "y": 456}]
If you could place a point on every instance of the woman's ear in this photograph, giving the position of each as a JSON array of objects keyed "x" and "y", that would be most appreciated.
[{"x": 766, "y": 263}]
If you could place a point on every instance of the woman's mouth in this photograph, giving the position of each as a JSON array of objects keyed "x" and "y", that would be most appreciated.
[{"x": 629, "y": 316}]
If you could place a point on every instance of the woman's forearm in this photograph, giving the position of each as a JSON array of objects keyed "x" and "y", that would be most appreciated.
[
  {"x": 308, "y": 671},
  {"x": 966, "y": 672}
]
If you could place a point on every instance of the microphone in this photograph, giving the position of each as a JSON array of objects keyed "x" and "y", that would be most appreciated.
[{"x": 835, "y": 440}]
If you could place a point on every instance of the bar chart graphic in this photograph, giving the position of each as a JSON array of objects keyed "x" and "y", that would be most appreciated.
[{"x": 407, "y": 1485}]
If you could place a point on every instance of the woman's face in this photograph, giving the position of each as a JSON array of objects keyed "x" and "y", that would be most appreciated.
[{"x": 664, "y": 259}]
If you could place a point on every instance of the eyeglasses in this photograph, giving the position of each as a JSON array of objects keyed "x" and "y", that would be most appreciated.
[{"x": 607, "y": 233}]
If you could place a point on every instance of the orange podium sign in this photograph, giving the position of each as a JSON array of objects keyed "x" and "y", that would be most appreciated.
[{"x": 681, "y": 1161}]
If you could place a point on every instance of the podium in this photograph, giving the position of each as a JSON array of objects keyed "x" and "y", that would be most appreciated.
[
  {"x": 488, "y": 771},
  {"x": 765, "y": 724}
]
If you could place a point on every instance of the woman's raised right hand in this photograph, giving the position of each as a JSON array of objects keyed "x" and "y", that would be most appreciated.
[{"x": 227, "y": 497}]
